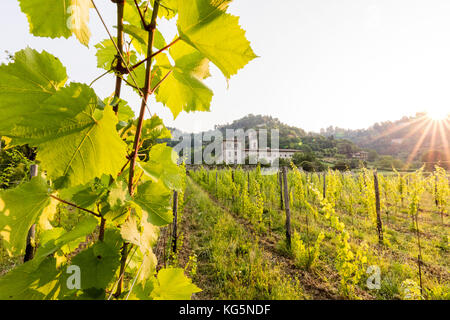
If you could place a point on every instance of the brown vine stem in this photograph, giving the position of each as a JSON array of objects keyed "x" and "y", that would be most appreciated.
[
  {"x": 155, "y": 54},
  {"x": 120, "y": 63},
  {"x": 144, "y": 24},
  {"x": 137, "y": 137},
  {"x": 146, "y": 90},
  {"x": 75, "y": 206},
  {"x": 159, "y": 83},
  {"x": 117, "y": 48}
]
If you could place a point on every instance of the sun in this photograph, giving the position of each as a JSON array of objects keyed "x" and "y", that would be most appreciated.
[{"x": 438, "y": 115}]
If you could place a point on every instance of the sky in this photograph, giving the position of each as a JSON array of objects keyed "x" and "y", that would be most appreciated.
[{"x": 345, "y": 63}]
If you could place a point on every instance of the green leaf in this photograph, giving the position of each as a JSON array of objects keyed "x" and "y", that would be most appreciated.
[
  {"x": 167, "y": 8},
  {"x": 76, "y": 142},
  {"x": 88, "y": 196},
  {"x": 144, "y": 235},
  {"x": 162, "y": 165},
  {"x": 56, "y": 240},
  {"x": 34, "y": 280},
  {"x": 106, "y": 55},
  {"x": 25, "y": 83},
  {"x": 183, "y": 88},
  {"x": 206, "y": 26},
  {"x": 172, "y": 284},
  {"x": 118, "y": 195},
  {"x": 39, "y": 278},
  {"x": 125, "y": 112},
  {"x": 58, "y": 18},
  {"x": 141, "y": 233},
  {"x": 154, "y": 198},
  {"x": 140, "y": 40},
  {"x": 19, "y": 209},
  {"x": 98, "y": 264},
  {"x": 131, "y": 14},
  {"x": 154, "y": 129}
]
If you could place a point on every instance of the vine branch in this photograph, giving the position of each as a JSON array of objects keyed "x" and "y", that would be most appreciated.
[
  {"x": 144, "y": 24},
  {"x": 137, "y": 137},
  {"x": 155, "y": 54},
  {"x": 75, "y": 206}
]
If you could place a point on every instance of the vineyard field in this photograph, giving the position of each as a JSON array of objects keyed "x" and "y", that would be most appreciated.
[{"x": 335, "y": 247}]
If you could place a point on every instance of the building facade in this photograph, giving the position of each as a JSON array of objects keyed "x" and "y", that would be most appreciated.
[{"x": 234, "y": 152}]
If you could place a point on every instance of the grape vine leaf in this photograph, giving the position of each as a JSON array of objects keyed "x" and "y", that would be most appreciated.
[
  {"x": 34, "y": 280},
  {"x": 118, "y": 195},
  {"x": 48, "y": 214},
  {"x": 19, "y": 209},
  {"x": 206, "y": 26},
  {"x": 99, "y": 263},
  {"x": 154, "y": 198},
  {"x": 39, "y": 278},
  {"x": 131, "y": 14},
  {"x": 167, "y": 8},
  {"x": 141, "y": 233},
  {"x": 144, "y": 235},
  {"x": 125, "y": 112},
  {"x": 140, "y": 38},
  {"x": 87, "y": 195},
  {"x": 183, "y": 89},
  {"x": 162, "y": 165},
  {"x": 106, "y": 54},
  {"x": 154, "y": 129},
  {"x": 25, "y": 83},
  {"x": 58, "y": 18},
  {"x": 76, "y": 141},
  {"x": 84, "y": 227},
  {"x": 172, "y": 284}
]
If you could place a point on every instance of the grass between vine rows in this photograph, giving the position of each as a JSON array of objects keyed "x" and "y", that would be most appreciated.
[{"x": 237, "y": 260}]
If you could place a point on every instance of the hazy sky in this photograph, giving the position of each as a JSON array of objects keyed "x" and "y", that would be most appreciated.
[{"x": 347, "y": 63}]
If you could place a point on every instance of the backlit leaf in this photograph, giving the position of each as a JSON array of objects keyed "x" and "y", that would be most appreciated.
[{"x": 58, "y": 18}]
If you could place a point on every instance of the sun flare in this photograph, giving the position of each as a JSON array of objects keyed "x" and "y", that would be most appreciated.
[{"x": 438, "y": 115}]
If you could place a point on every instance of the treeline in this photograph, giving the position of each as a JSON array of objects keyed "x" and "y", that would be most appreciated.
[{"x": 398, "y": 138}]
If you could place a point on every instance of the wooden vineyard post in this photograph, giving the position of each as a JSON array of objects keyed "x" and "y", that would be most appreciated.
[
  {"x": 287, "y": 209},
  {"x": 216, "y": 182},
  {"x": 280, "y": 183},
  {"x": 174, "y": 224},
  {"x": 378, "y": 208},
  {"x": 232, "y": 178},
  {"x": 324, "y": 185},
  {"x": 419, "y": 257},
  {"x": 30, "y": 249}
]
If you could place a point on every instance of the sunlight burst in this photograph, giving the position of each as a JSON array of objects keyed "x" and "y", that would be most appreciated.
[{"x": 438, "y": 114}]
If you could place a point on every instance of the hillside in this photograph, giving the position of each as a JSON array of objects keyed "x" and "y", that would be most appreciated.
[
  {"x": 398, "y": 138},
  {"x": 292, "y": 137}
]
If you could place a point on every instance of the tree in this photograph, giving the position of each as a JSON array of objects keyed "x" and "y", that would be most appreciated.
[
  {"x": 431, "y": 158},
  {"x": 373, "y": 155}
]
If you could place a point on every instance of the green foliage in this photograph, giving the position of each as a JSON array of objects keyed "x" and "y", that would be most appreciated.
[
  {"x": 306, "y": 256},
  {"x": 14, "y": 166},
  {"x": 106, "y": 54},
  {"x": 154, "y": 199},
  {"x": 172, "y": 284},
  {"x": 183, "y": 88},
  {"x": 68, "y": 17},
  {"x": 17, "y": 215},
  {"x": 84, "y": 147},
  {"x": 206, "y": 26},
  {"x": 25, "y": 83}
]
